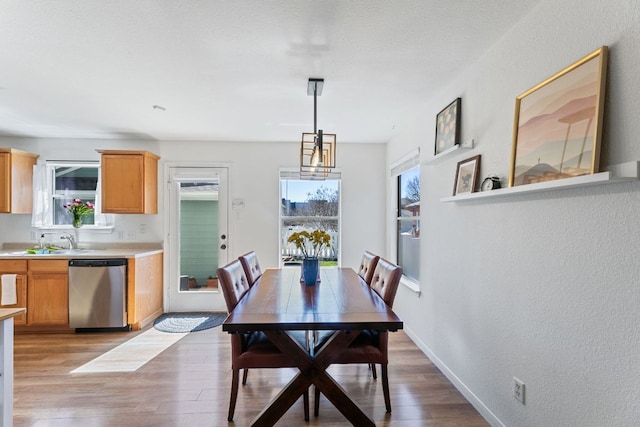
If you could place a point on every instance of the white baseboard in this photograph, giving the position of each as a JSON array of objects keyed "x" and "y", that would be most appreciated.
[{"x": 457, "y": 383}]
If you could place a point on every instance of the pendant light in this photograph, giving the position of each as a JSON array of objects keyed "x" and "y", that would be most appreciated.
[{"x": 317, "y": 149}]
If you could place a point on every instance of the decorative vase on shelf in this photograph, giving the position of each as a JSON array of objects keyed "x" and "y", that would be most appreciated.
[
  {"x": 310, "y": 270},
  {"x": 77, "y": 221}
]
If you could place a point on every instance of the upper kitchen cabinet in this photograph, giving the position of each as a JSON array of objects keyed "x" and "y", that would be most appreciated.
[
  {"x": 129, "y": 182},
  {"x": 16, "y": 181}
]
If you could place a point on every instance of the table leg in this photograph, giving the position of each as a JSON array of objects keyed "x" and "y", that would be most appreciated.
[{"x": 312, "y": 371}]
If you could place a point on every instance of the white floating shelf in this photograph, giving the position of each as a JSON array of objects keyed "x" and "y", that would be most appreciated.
[
  {"x": 623, "y": 173},
  {"x": 459, "y": 148}
]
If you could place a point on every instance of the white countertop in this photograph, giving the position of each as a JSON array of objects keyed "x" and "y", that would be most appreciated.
[{"x": 18, "y": 251}]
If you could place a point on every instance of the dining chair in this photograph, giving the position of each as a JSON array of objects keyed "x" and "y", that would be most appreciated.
[
  {"x": 368, "y": 266},
  {"x": 251, "y": 267},
  {"x": 253, "y": 350},
  {"x": 370, "y": 346}
]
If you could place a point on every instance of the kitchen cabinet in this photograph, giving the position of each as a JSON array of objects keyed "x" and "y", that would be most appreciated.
[
  {"x": 129, "y": 182},
  {"x": 145, "y": 290},
  {"x": 42, "y": 286},
  {"x": 16, "y": 180},
  {"x": 48, "y": 293},
  {"x": 19, "y": 268}
]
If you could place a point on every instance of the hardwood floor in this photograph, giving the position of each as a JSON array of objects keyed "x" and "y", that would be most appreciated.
[{"x": 188, "y": 384}]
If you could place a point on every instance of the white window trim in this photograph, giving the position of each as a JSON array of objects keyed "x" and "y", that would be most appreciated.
[
  {"x": 403, "y": 164},
  {"x": 294, "y": 173},
  {"x": 49, "y": 226}
]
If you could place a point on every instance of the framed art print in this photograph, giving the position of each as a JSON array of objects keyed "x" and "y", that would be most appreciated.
[
  {"x": 558, "y": 124},
  {"x": 467, "y": 175},
  {"x": 448, "y": 127}
]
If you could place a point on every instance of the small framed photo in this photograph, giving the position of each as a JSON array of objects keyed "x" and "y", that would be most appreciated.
[
  {"x": 448, "y": 127},
  {"x": 467, "y": 175}
]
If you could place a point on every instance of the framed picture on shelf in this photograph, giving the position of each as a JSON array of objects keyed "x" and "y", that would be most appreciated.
[
  {"x": 558, "y": 124},
  {"x": 448, "y": 127},
  {"x": 467, "y": 175}
]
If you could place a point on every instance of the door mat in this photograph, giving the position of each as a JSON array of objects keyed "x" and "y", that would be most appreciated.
[{"x": 188, "y": 322}]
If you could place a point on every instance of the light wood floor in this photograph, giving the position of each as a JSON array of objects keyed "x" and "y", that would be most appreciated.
[{"x": 188, "y": 385}]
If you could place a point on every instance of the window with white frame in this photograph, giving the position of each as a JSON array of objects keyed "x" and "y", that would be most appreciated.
[
  {"x": 70, "y": 181},
  {"x": 307, "y": 205},
  {"x": 407, "y": 182},
  {"x": 63, "y": 183}
]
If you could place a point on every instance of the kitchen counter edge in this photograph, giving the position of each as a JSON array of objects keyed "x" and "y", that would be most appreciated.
[{"x": 91, "y": 254}]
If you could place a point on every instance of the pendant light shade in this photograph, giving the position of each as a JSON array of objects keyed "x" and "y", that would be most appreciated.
[{"x": 317, "y": 149}]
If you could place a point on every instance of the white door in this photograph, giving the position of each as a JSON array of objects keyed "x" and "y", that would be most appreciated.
[{"x": 198, "y": 237}]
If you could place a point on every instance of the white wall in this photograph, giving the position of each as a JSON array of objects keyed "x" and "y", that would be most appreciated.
[
  {"x": 544, "y": 287},
  {"x": 254, "y": 177}
]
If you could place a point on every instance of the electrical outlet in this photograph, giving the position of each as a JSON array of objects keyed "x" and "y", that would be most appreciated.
[
  {"x": 120, "y": 235},
  {"x": 518, "y": 390},
  {"x": 142, "y": 228}
]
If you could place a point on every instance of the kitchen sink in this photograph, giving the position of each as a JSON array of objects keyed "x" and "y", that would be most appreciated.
[
  {"x": 73, "y": 251},
  {"x": 40, "y": 252}
]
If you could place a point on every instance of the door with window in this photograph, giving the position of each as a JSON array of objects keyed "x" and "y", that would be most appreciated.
[{"x": 198, "y": 237}]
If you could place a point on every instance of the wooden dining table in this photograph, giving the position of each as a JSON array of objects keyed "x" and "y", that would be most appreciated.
[{"x": 341, "y": 302}]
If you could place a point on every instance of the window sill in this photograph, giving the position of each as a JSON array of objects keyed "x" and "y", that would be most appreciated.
[
  {"x": 92, "y": 228},
  {"x": 411, "y": 284}
]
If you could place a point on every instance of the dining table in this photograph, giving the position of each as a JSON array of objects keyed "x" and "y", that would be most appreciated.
[{"x": 340, "y": 303}]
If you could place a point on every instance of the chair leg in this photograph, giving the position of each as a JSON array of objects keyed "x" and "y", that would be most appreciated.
[
  {"x": 244, "y": 376},
  {"x": 305, "y": 398},
  {"x": 235, "y": 378},
  {"x": 316, "y": 401},
  {"x": 373, "y": 370},
  {"x": 385, "y": 387}
]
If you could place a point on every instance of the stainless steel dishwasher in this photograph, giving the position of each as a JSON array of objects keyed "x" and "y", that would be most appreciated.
[{"x": 97, "y": 293}]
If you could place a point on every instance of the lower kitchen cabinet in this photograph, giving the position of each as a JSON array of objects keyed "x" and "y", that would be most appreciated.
[
  {"x": 48, "y": 293},
  {"x": 42, "y": 287},
  {"x": 19, "y": 268}
]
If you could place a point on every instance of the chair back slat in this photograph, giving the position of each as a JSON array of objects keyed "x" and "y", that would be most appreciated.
[
  {"x": 386, "y": 279},
  {"x": 251, "y": 267},
  {"x": 368, "y": 266},
  {"x": 233, "y": 282}
]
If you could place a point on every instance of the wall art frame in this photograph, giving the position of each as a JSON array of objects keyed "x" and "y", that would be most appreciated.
[
  {"x": 558, "y": 123},
  {"x": 467, "y": 171},
  {"x": 448, "y": 127}
]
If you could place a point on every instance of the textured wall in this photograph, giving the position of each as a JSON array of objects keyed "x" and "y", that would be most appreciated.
[{"x": 545, "y": 286}]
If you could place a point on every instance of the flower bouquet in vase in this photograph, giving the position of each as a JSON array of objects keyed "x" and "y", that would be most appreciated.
[
  {"x": 311, "y": 244},
  {"x": 79, "y": 210}
]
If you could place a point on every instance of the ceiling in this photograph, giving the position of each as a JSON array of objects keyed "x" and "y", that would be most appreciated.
[{"x": 233, "y": 70}]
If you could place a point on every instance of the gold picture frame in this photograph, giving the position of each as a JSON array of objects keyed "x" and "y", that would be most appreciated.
[
  {"x": 467, "y": 175},
  {"x": 558, "y": 124}
]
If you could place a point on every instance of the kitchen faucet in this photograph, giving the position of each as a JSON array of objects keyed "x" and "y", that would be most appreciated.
[
  {"x": 42, "y": 238},
  {"x": 71, "y": 239}
]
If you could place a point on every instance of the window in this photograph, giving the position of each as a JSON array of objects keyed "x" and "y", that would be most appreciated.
[
  {"x": 72, "y": 181},
  {"x": 408, "y": 222},
  {"x": 309, "y": 205},
  {"x": 57, "y": 183}
]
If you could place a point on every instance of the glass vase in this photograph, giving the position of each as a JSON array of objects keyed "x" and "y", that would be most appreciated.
[{"x": 77, "y": 221}]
